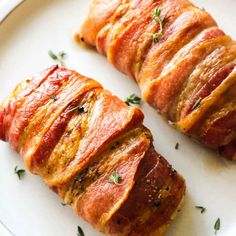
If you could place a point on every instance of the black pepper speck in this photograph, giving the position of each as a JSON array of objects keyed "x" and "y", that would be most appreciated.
[{"x": 157, "y": 202}]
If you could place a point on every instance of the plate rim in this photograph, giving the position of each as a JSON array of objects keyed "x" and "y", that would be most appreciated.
[
  {"x": 11, "y": 8},
  {"x": 6, "y": 7}
]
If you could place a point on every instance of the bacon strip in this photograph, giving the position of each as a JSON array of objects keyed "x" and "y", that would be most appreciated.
[
  {"x": 184, "y": 75},
  {"x": 76, "y": 135}
]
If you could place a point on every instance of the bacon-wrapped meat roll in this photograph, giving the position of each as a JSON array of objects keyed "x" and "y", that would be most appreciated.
[
  {"x": 93, "y": 151},
  {"x": 183, "y": 63}
]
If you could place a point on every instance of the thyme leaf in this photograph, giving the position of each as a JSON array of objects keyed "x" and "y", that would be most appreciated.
[
  {"x": 133, "y": 100},
  {"x": 19, "y": 172},
  {"x": 80, "y": 231},
  {"x": 201, "y": 208},
  {"x": 116, "y": 178},
  {"x": 197, "y": 104},
  {"x": 217, "y": 225}
]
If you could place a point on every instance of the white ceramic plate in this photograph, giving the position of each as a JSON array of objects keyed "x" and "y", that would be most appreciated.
[{"x": 27, "y": 207}]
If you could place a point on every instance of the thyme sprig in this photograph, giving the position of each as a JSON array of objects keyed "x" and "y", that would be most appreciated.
[
  {"x": 201, "y": 208},
  {"x": 133, "y": 100},
  {"x": 78, "y": 108},
  {"x": 58, "y": 57},
  {"x": 159, "y": 18}
]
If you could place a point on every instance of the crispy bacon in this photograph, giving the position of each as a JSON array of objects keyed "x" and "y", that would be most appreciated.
[
  {"x": 192, "y": 60},
  {"x": 75, "y": 135}
]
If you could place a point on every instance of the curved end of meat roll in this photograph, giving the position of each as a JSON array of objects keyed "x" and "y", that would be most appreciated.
[
  {"x": 96, "y": 20},
  {"x": 153, "y": 202},
  {"x": 2, "y": 114},
  {"x": 228, "y": 151},
  {"x": 6, "y": 111}
]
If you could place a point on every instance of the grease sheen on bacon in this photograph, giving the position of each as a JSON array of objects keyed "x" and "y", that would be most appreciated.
[
  {"x": 77, "y": 151},
  {"x": 193, "y": 61}
]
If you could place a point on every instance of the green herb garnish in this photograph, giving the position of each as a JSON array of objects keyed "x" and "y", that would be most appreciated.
[
  {"x": 176, "y": 146},
  {"x": 201, "y": 208},
  {"x": 116, "y": 178},
  {"x": 217, "y": 225},
  {"x": 133, "y": 100},
  {"x": 80, "y": 231},
  {"x": 62, "y": 54},
  {"x": 63, "y": 204},
  {"x": 78, "y": 108},
  {"x": 197, "y": 104},
  {"x": 159, "y": 18},
  {"x": 19, "y": 172},
  {"x": 156, "y": 37},
  {"x": 58, "y": 57}
]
